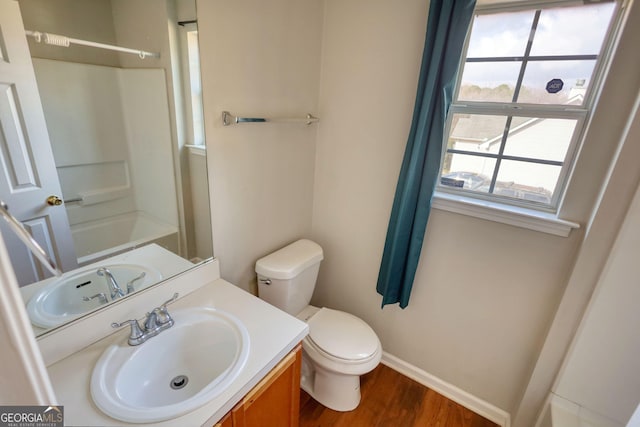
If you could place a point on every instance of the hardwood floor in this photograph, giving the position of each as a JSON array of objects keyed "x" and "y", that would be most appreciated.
[{"x": 392, "y": 400}]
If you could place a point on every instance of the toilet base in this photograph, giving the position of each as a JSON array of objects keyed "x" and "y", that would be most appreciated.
[{"x": 335, "y": 391}]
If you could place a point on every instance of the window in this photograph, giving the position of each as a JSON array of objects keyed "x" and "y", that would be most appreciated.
[
  {"x": 526, "y": 87},
  {"x": 192, "y": 84}
]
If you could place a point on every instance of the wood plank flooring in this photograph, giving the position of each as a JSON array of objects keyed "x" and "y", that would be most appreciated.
[{"x": 390, "y": 399}]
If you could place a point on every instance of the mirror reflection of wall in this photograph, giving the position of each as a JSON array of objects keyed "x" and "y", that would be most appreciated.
[{"x": 125, "y": 131}]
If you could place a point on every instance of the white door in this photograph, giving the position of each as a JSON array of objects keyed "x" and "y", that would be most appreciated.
[{"x": 28, "y": 173}]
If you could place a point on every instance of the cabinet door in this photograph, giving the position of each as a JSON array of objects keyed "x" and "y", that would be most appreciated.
[
  {"x": 275, "y": 401},
  {"x": 225, "y": 422}
]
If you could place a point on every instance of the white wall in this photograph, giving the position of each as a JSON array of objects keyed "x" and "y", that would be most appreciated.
[
  {"x": 80, "y": 19},
  {"x": 635, "y": 419},
  {"x": 259, "y": 59},
  {"x": 147, "y": 121},
  {"x": 478, "y": 282},
  {"x": 601, "y": 370},
  {"x": 203, "y": 247},
  {"x": 186, "y": 10},
  {"x": 142, "y": 24},
  {"x": 610, "y": 146}
]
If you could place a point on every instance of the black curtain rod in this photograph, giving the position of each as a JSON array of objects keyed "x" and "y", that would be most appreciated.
[{"x": 183, "y": 23}]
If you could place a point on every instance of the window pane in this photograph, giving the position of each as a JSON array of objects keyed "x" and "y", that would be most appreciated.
[
  {"x": 193, "y": 52},
  {"x": 475, "y": 132},
  {"x": 489, "y": 81},
  {"x": 572, "y": 30},
  {"x": 502, "y": 34},
  {"x": 480, "y": 133},
  {"x": 575, "y": 75},
  {"x": 467, "y": 172},
  {"x": 540, "y": 138},
  {"x": 529, "y": 181}
]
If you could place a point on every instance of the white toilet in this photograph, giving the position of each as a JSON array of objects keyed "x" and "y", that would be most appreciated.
[{"x": 340, "y": 347}]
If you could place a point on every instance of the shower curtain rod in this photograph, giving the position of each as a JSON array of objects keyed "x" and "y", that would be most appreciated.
[{"x": 59, "y": 40}]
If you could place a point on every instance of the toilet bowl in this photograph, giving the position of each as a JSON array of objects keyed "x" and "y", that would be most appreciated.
[{"x": 340, "y": 347}]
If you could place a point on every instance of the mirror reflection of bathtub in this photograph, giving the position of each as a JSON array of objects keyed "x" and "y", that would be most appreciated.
[
  {"x": 55, "y": 301},
  {"x": 561, "y": 412},
  {"x": 104, "y": 238}
]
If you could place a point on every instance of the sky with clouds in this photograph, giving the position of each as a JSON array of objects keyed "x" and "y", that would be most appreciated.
[{"x": 560, "y": 31}]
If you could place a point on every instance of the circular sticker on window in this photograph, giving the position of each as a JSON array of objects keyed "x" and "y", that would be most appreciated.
[{"x": 554, "y": 85}]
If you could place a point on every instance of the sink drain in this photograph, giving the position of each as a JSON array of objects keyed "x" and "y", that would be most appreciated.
[{"x": 179, "y": 382}]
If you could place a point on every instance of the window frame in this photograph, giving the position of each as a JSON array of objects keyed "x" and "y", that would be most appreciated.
[
  {"x": 580, "y": 113},
  {"x": 194, "y": 131}
]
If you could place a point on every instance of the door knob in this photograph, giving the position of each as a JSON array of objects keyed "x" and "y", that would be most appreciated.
[{"x": 54, "y": 201}]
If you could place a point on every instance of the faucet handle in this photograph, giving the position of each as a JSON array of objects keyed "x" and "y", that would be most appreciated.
[
  {"x": 162, "y": 314},
  {"x": 135, "y": 335},
  {"x": 102, "y": 297},
  {"x": 166, "y": 303},
  {"x": 130, "y": 283},
  {"x": 164, "y": 319}
]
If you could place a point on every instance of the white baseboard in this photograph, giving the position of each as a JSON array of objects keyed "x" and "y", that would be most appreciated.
[{"x": 469, "y": 401}]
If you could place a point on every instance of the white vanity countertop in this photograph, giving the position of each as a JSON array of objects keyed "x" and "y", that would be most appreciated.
[{"x": 273, "y": 334}]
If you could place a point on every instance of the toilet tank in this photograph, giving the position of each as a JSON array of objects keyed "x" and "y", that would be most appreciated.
[{"x": 287, "y": 277}]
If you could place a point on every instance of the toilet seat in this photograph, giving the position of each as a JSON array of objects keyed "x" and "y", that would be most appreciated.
[
  {"x": 312, "y": 348},
  {"x": 342, "y": 337}
]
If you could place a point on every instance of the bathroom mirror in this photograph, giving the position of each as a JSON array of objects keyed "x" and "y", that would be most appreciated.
[{"x": 127, "y": 204}]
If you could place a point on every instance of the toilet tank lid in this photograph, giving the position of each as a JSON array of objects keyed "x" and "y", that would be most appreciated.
[{"x": 288, "y": 262}]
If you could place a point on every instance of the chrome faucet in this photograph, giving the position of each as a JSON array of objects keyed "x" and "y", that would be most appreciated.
[
  {"x": 156, "y": 321},
  {"x": 116, "y": 291}
]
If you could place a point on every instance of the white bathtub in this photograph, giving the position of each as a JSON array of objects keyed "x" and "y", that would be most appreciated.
[
  {"x": 561, "y": 412},
  {"x": 96, "y": 240}
]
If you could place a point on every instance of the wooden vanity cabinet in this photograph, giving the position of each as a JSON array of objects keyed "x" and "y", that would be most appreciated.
[
  {"x": 225, "y": 422},
  {"x": 274, "y": 401}
]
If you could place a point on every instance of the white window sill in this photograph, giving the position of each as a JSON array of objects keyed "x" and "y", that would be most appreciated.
[
  {"x": 199, "y": 150},
  {"x": 505, "y": 214}
]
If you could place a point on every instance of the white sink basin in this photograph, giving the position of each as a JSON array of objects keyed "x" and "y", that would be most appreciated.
[
  {"x": 62, "y": 300},
  {"x": 173, "y": 373}
]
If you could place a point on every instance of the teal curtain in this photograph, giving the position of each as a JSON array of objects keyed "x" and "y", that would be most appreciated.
[{"x": 446, "y": 30}]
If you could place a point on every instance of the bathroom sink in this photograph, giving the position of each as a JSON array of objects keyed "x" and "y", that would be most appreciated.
[
  {"x": 63, "y": 299},
  {"x": 173, "y": 373}
]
